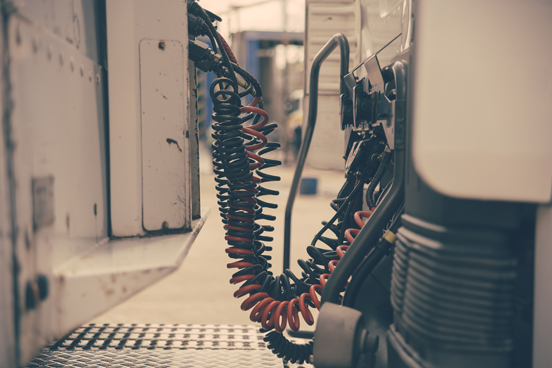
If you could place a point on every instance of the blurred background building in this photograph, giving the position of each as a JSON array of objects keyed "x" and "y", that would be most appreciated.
[{"x": 267, "y": 39}]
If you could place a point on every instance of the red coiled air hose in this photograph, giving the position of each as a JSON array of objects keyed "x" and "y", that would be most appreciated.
[
  {"x": 277, "y": 314},
  {"x": 269, "y": 312},
  {"x": 228, "y": 50}
]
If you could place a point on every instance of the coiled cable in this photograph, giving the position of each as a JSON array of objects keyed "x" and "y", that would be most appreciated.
[
  {"x": 283, "y": 348},
  {"x": 275, "y": 301}
]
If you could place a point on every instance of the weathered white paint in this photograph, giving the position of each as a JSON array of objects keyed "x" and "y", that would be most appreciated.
[
  {"x": 57, "y": 125},
  {"x": 58, "y": 130},
  {"x": 128, "y": 23},
  {"x": 165, "y": 163}
]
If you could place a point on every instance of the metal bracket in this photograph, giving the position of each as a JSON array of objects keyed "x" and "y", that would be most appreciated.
[
  {"x": 384, "y": 107},
  {"x": 386, "y": 117},
  {"x": 345, "y": 103},
  {"x": 367, "y": 102}
]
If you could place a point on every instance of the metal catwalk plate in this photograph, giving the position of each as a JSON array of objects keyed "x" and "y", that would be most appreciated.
[{"x": 159, "y": 345}]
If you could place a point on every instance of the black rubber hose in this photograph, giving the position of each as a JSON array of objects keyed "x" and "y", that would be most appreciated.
[
  {"x": 376, "y": 179},
  {"x": 337, "y": 39},
  {"x": 199, "y": 11},
  {"x": 249, "y": 78},
  {"x": 368, "y": 264},
  {"x": 370, "y": 233},
  {"x": 342, "y": 208},
  {"x": 288, "y": 350},
  {"x": 349, "y": 211}
]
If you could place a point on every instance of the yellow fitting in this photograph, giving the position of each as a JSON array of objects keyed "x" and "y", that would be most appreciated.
[{"x": 390, "y": 236}]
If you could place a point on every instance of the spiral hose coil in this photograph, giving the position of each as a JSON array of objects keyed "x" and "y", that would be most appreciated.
[{"x": 274, "y": 301}]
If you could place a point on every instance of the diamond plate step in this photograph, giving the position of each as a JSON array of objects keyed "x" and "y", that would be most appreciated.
[{"x": 159, "y": 345}]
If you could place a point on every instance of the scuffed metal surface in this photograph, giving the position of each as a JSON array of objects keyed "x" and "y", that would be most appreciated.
[{"x": 165, "y": 156}]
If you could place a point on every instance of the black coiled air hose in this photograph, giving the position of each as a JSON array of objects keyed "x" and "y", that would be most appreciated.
[
  {"x": 282, "y": 347},
  {"x": 274, "y": 300},
  {"x": 239, "y": 206}
]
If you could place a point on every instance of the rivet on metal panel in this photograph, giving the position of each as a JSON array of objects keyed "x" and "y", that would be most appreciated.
[{"x": 49, "y": 52}]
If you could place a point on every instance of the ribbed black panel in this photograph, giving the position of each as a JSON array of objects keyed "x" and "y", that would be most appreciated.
[{"x": 450, "y": 292}]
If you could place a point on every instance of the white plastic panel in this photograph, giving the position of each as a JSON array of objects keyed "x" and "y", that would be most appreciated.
[
  {"x": 164, "y": 129},
  {"x": 482, "y": 98},
  {"x": 128, "y": 23}
]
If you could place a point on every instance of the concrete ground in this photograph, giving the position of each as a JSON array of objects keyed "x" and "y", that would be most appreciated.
[{"x": 199, "y": 292}]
